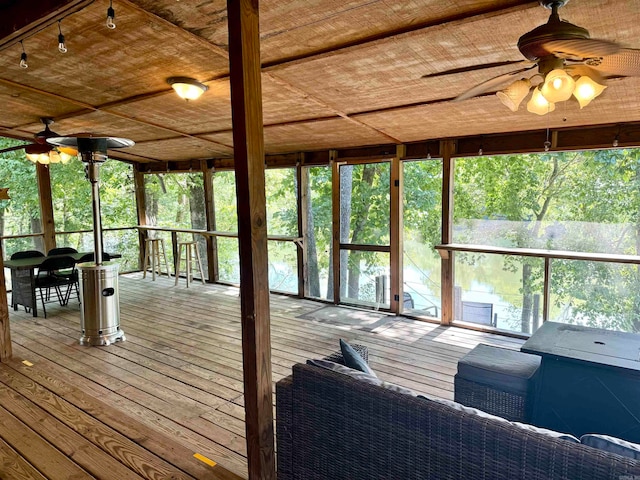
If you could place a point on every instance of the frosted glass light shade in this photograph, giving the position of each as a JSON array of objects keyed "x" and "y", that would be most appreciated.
[
  {"x": 66, "y": 154},
  {"x": 586, "y": 90},
  {"x": 512, "y": 96},
  {"x": 558, "y": 86},
  {"x": 39, "y": 158},
  {"x": 539, "y": 104},
  {"x": 187, "y": 88}
]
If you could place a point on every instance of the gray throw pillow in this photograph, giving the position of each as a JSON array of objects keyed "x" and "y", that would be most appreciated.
[
  {"x": 343, "y": 369},
  {"x": 612, "y": 445},
  {"x": 352, "y": 359}
]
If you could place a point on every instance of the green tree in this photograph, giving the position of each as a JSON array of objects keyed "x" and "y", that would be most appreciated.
[{"x": 556, "y": 201}]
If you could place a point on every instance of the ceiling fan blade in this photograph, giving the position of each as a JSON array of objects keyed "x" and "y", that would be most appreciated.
[
  {"x": 581, "y": 48},
  {"x": 492, "y": 83},
  {"x": 11, "y": 149},
  {"x": 624, "y": 63}
]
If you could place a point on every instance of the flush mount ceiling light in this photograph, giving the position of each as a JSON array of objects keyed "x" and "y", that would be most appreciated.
[{"x": 187, "y": 88}]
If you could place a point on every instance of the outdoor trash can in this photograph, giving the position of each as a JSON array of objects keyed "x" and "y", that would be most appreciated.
[{"x": 99, "y": 304}]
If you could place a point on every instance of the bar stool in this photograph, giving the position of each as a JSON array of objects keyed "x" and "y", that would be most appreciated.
[
  {"x": 152, "y": 247},
  {"x": 190, "y": 248}
]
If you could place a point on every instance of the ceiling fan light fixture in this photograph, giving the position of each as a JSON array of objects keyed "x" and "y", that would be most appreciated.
[
  {"x": 512, "y": 96},
  {"x": 43, "y": 158},
  {"x": 558, "y": 86},
  {"x": 539, "y": 104},
  {"x": 66, "y": 154},
  {"x": 587, "y": 89},
  {"x": 187, "y": 88}
]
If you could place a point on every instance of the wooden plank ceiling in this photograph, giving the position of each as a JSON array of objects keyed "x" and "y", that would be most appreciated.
[{"x": 336, "y": 74}]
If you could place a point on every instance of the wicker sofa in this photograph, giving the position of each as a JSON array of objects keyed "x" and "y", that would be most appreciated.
[{"x": 331, "y": 426}]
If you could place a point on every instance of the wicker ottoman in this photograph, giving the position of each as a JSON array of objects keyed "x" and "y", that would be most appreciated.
[{"x": 497, "y": 381}]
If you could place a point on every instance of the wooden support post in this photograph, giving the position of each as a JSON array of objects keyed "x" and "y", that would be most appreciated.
[
  {"x": 397, "y": 301},
  {"x": 447, "y": 148},
  {"x": 141, "y": 209},
  {"x": 5, "y": 333},
  {"x": 302, "y": 179},
  {"x": 46, "y": 206},
  {"x": 210, "y": 213},
  {"x": 248, "y": 147},
  {"x": 335, "y": 223}
]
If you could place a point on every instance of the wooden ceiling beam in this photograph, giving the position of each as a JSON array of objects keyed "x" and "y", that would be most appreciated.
[
  {"x": 457, "y": 19},
  {"x": 156, "y": 18},
  {"x": 87, "y": 108},
  {"x": 21, "y": 19},
  {"x": 351, "y": 117},
  {"x": 288, "y": 86},
  {"x": 516, "y": 5}
]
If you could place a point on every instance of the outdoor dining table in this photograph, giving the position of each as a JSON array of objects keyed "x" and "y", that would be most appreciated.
[{"x": 23, "y": 278}]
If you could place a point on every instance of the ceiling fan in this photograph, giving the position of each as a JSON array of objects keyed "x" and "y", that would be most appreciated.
[
  {"x": 42, "y": 152},
  {"x": 569, "y": 63}
]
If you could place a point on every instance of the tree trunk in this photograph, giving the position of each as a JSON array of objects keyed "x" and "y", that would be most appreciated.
[
  {"x": 197, "y": 210},
  {"x": 36, "y": 227},
  {"x": 151, "y": 203},
  {"x": 346, "y": 189},
  {"x": 313, "y": 271},
  {"x": 368, "y": 174}
]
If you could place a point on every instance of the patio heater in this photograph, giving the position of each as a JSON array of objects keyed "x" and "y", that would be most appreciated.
[{"x": 99, "y": 297}]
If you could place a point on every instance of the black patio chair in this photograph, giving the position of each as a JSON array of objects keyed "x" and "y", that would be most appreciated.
[
  {"x": 61, "y": 251},
  {"x": 26, "y": 254},
  {"x": 50, "y": 278},
  {"x": 88, "y": 257}
]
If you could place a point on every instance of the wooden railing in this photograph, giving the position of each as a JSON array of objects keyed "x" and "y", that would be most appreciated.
[{"x": 445, "y": 251}]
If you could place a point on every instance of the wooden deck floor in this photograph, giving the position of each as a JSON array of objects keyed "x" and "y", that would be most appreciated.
[{"x": 144, "y": 407}]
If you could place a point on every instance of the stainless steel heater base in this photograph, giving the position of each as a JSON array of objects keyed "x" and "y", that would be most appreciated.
[{"x": 102, "y": 340}]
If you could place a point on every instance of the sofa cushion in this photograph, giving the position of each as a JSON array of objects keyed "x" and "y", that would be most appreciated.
[
  {"x": 611, "y": 444},
  {"x": 501, "y": 368},
  {"x": 544, "y": 431},
  {"x": 463, "y": 408},
  {"x": 361, "y": 376},
  {"x": 474, "y": 411},
  {"x": 353, "y": 359}
]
